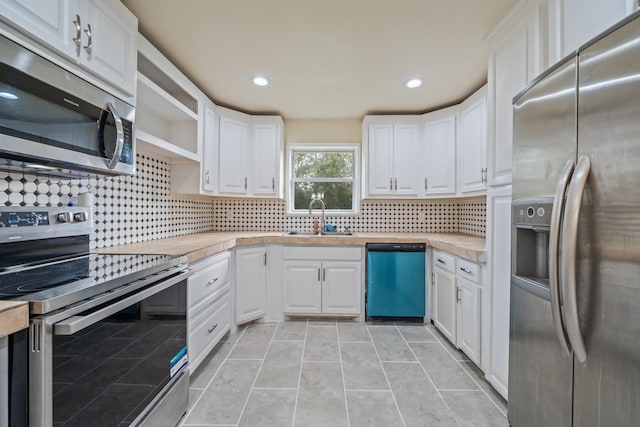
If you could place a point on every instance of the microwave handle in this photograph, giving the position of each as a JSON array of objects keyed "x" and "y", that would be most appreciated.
[
  {"x": 77, "y": 323},
  {"x": 119, "y": 134}
]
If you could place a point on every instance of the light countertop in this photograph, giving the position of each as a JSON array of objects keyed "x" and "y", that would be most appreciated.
[
  {"x": 202, "y": 245},
  {"x": 14, "y": 316}
]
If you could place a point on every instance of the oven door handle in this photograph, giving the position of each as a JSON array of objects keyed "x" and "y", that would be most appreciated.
[{"x": 77, "y": 323}]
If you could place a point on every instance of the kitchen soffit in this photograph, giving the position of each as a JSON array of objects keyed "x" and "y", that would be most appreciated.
[{"x": 326, "y": 60}]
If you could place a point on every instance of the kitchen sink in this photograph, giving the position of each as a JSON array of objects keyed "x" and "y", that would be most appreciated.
[{"x": 324, "y": 234}]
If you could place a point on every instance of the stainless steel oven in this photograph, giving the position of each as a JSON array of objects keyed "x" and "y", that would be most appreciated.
[
  {"x": 106, "y": 344},
  {"x": 52, "y": 119}
]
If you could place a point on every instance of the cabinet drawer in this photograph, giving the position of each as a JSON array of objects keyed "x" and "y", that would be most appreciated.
[
  {"x": 206, "y": 331},
  {"x": 322, "y": 252},
  {"x": 468, "y": 270},
  {"x": 444, "y": 260},
  {"x": 203, "y": 306},
  {"x": 208, "y": 281}
]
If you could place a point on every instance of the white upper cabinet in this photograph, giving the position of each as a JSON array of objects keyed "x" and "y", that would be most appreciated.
[
  {"x": 516, "y": 56},
  {"x": 267, "y": 150},
  {"x": 210, "y": 150},
  {"x": 574, "y": 22},
  {"x": 472, "y": 144},
  {"x": 109, "y": 48},
  {"x": 391, "y": 145},
  {"x": 250, "y": 154},
  {"x": 380, "y": 160},
  {"x": 233, "y": 148},
  {"x": 439, "y": 152},
  {"x": 100, "y": 36},
  {"x": 50, "y": 21}
]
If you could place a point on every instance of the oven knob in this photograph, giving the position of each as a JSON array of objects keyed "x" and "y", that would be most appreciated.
[
  {"x": 79, "y": 217},
  {"x": 64, "y": 217}
]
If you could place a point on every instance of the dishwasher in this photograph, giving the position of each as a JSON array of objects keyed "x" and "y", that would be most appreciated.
[{"x": 395, "y": 281}]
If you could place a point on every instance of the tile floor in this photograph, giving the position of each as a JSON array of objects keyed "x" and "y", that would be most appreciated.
[{"x": 328, "y": 373}]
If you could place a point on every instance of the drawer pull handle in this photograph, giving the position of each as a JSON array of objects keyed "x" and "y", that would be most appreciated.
[
  {"x": 441, "y": 261},
  {"x": 213, "y": 328},
  {"x": 212, "y": 281},
  {"x": 466, "y": 270}
]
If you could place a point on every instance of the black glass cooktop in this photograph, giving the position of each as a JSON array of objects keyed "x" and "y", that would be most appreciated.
[{"x": 94, "y": 269}]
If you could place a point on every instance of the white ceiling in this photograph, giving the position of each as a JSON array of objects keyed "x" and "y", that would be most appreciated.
[{"x": 326, "y": 59}]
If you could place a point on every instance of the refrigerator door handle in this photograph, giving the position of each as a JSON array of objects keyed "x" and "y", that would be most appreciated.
[
  {"x": 554, "y": 240},
  {"x": 568, "y": 256}
]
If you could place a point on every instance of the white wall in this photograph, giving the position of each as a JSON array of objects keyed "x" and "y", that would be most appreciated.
[{"x": 323, "y": 131}]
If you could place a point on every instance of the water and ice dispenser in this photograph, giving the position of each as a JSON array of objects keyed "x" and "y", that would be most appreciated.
[{"x": 531, "y": 222}]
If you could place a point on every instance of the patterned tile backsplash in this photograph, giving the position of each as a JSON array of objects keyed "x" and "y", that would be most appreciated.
[
  {"x": 445, "y": 216},
  {"x": 129, "y": 209}
]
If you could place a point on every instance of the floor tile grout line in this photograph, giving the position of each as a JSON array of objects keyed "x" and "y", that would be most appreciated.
[
  {"x": 295, "y": 406},
  {"x": 274, "y": 388},
  {"x": 430, "y": 379},
  {"x": 213, "y": 376},
  {"x": 373, "y": 343},
  {"x": 273, "y": 334},
  {"x": 344, "y": 384},
  {"x": 459, "y": 362}
]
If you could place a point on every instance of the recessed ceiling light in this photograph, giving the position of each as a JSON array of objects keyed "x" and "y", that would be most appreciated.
[
  {"x": 8, "y": 95},
  {"x": 260, "y": 81},
  {"x": 413, "y": 83}
]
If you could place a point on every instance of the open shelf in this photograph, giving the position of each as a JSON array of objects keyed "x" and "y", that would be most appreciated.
[{"x": 148, "y": 143}]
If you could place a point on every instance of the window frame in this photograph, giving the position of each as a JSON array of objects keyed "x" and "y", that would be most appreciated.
[{"x": 348, "y": 147}]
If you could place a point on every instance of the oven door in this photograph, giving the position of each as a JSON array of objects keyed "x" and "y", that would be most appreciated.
[
  {"x": 109, "y": 364},
  {"x": 53, "y": 118}
]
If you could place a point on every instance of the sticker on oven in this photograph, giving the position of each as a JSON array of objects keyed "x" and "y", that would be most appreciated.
[{"x": 178, "y": 362}]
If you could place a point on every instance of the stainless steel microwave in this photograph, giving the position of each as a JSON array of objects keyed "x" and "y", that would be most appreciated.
[{"x": 52, "y": 121}]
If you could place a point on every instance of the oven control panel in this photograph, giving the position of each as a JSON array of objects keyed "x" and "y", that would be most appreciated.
[
  {"x": 24, "y": 219},
  {"x": 43, "y": 222}
]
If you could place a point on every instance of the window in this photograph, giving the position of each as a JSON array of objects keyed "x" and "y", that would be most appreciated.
[{"x": 328, "y": 172}]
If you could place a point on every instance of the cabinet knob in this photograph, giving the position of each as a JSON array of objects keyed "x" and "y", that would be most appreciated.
[{"x": 390, "y": 184}]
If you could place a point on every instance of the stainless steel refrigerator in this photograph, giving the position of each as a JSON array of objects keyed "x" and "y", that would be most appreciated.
[{"x": 574, "y": 357}]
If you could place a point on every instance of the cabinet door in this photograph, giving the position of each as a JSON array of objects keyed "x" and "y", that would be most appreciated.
[
  {"x": 50, "y": 21},
  {"x": 444, "y": 310},
  {"x": 439, "y": 152},
  {"x": 405, "y": 159},
  {"x": 266, "y": 156},
  {"x": 341, "y": 287},
  {"x": 499, "y": 252},
  {"x": 577, "y": 21},
  {"x": 469, "y": 319},
  {"x": 210, "y": 148},
  {"x": 473, "y": 144},
  {"x": 380, "y": 160},
  {"x": 232, "y": 161},
  {"x": 515, "y": 56},
  {"x": 302, "y": 287},
  {"x": 113, "y": 52},
  {"x": 251, "y": 284}
]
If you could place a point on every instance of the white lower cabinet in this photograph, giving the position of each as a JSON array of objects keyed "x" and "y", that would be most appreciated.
[
  {"x": 444, "y": 295},
  {"x": 209, "y": 306},
  {"x": 250, "y": 283},
  {"x": 457, "y": 302},
  {"x": 469, "y": 318},
  {"x": 322, "y": 280},
  {"x": 302, "y": 291}
]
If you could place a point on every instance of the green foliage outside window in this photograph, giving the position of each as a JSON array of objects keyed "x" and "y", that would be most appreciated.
[{"x": 327, "y": 172}]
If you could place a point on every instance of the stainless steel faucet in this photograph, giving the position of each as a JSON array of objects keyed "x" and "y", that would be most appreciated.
[{"x": 322, "y": 225}]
